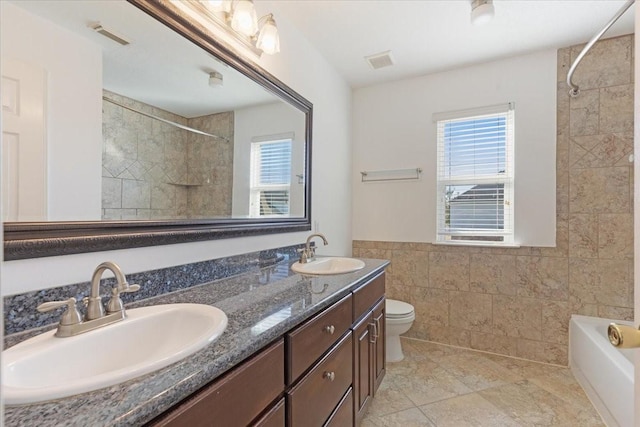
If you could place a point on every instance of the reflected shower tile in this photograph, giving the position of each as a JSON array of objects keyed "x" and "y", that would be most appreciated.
[
  {"x": 111, "y": 193},
  {"x": 616, "y": 109}
]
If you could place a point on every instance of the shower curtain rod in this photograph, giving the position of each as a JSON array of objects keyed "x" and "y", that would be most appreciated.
[
  {"x": 574, "y": 90},
  {"x": 169, "y": 122}
]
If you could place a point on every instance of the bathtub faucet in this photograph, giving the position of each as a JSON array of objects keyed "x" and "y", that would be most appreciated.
[{"x": 623, "y": 336}]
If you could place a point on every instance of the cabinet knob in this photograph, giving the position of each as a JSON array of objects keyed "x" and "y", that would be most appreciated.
[
  {"x": 329, "y": 375},
  {"x": 329, "y": 329}
]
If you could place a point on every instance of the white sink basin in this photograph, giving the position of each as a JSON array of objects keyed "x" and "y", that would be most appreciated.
[
  {"x": 328, "y": 265},
  {"x": 47, "y": 367}
]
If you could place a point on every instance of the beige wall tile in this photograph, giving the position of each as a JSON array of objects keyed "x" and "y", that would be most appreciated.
[
  {"x": 614, "y": 55},
  {"x": 542, "y": 277},
  {"x": 410, "y": 267},
  {"x": 617, "y": 313},
  {"x": 616, "y": 109},
  {"x": 493, "y": 274},
  {"x": 583, "y": 236},
  {"x": 555, "y": 321},
  {"x": 615, "y": 236},
  {"x": 471, "y": 311},
  {"x": 597, "y": 190},
  {"x": 517, "y": 317},
  {"x": 449, "y": 270},
  {"x": 431, "y": 306},
  {"x": 600, "y": 281},
  {"x": 585, "y": 113}
]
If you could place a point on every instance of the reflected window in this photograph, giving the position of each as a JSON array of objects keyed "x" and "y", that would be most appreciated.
[{"x": 270, "y": 178}]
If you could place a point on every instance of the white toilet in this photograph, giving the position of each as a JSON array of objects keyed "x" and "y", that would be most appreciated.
[{"x": 399, "y": 317}]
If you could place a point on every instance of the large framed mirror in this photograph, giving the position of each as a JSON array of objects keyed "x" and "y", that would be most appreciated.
[{"x": 148, "y": 131}]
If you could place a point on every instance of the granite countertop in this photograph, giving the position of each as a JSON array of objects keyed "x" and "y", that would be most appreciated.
[{"x": 261, "y": 306}]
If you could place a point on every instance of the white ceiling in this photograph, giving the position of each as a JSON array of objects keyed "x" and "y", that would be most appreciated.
[{"x": 428, "y": 36}]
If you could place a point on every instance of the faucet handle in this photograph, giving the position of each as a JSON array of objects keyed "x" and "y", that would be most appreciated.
[
  {"x": 69, "y": 317},
  {"x": 115, "y": 303},
  {"x": 129, "y": 288}
]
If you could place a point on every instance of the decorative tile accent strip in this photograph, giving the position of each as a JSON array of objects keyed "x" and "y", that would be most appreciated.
[{"x": 21, "y": 314}]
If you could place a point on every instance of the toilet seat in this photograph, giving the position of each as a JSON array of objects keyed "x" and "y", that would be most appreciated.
[{"x": 398, "y": 309}]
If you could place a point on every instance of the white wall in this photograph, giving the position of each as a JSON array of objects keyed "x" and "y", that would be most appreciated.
[
  {"x": 260, "y": 121},
  {"x": 393, "y": 129},
  {"x": 301, "y": 67},
  {"x": 74, "y": 75}
]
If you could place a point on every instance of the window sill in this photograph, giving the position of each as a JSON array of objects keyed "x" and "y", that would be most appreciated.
[{"x": 479, "y": 244}]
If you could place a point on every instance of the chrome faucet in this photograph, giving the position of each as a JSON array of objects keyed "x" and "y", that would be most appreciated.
[
  {"x": 308, "y": 254},
  {"x": 71, "y": 323},
  {"x": 95, "y": 309}
]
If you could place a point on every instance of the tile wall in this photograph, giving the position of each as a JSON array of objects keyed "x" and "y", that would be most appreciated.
[
  {"x": 518, "y": 301},
  {"x": 153, "y": 170}
]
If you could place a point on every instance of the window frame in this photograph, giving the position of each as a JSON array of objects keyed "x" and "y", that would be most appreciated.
[
  {"x": 445, "y": 234},
  {"x": 256, "y": 187}
]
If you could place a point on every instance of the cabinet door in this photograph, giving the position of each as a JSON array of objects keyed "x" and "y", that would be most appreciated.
[
  {"x": 362, "y": 358},
  {"x": 379, "y": 345}
]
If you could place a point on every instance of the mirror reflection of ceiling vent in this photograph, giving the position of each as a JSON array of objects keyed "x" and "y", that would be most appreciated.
[
  {"x": 380, "y": 60},
  {"x": 108, "y": 33}
]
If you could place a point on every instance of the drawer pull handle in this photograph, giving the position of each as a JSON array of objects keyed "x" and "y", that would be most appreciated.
[
  {"x": 329, "y": 329},
  {"x": 374, "y": 336},
  {"x": 329, "y": 375}
]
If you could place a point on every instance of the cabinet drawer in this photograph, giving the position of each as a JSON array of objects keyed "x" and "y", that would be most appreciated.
[
  {"x": 366, "y": 296},
  {"x": 343, "y": 415},
  {"x": 274, "y": 417},
  {"x": 313, "y": 399},
  {"x": 309, "y": 341},
  {"x": 248, "y": 390}
]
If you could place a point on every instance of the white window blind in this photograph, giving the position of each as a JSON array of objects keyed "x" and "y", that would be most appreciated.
[
  {"x": 475, "y": 175},
  {"x": 270, "y": 178}
]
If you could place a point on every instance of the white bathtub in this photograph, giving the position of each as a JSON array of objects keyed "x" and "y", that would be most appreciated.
[{"x": 604, "y": 372}]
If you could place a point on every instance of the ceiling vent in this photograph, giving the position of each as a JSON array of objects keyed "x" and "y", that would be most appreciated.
[
  {"x": 108, "y": 33},
  {"x": 380, "y": 60}
]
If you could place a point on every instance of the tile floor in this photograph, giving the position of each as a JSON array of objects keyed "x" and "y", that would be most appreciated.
[{"x": 438, "y": 385}]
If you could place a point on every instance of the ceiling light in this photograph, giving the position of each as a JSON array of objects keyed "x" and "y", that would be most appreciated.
[
  {"x": 244, "y": 19},
  {"x": 215, "y": 79},
  {"x": 268, "y": 39},
  {"x": 482, "y": 11}
]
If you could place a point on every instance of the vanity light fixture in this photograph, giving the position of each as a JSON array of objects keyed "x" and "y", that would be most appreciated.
[
  {"x": 482, "y": 11},
  {"x": 239, "y": 19}
]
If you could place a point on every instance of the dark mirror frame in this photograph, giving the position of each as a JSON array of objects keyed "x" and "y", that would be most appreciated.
[{"x": 24, "y": 240}]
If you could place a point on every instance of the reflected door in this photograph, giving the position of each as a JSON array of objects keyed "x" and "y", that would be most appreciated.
[{"x": 24, "y": 166}]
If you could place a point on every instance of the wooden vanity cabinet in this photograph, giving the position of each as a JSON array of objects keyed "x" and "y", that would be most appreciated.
[
  {"x": 323, "y": 372},
  {"x": 237, "y": 398}
]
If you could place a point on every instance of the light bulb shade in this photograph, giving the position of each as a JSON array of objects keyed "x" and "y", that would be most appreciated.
[
  {"x": 218, "y": 5},
  {"x": 482, "y": 11},
  {"x": 268, "y": 40},
  {"x": 244, "y": 19}
]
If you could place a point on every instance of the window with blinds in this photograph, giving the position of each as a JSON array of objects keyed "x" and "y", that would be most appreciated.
[
  {"x": 270, "y": 178},
  {"x": 475, "y": 175}
]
